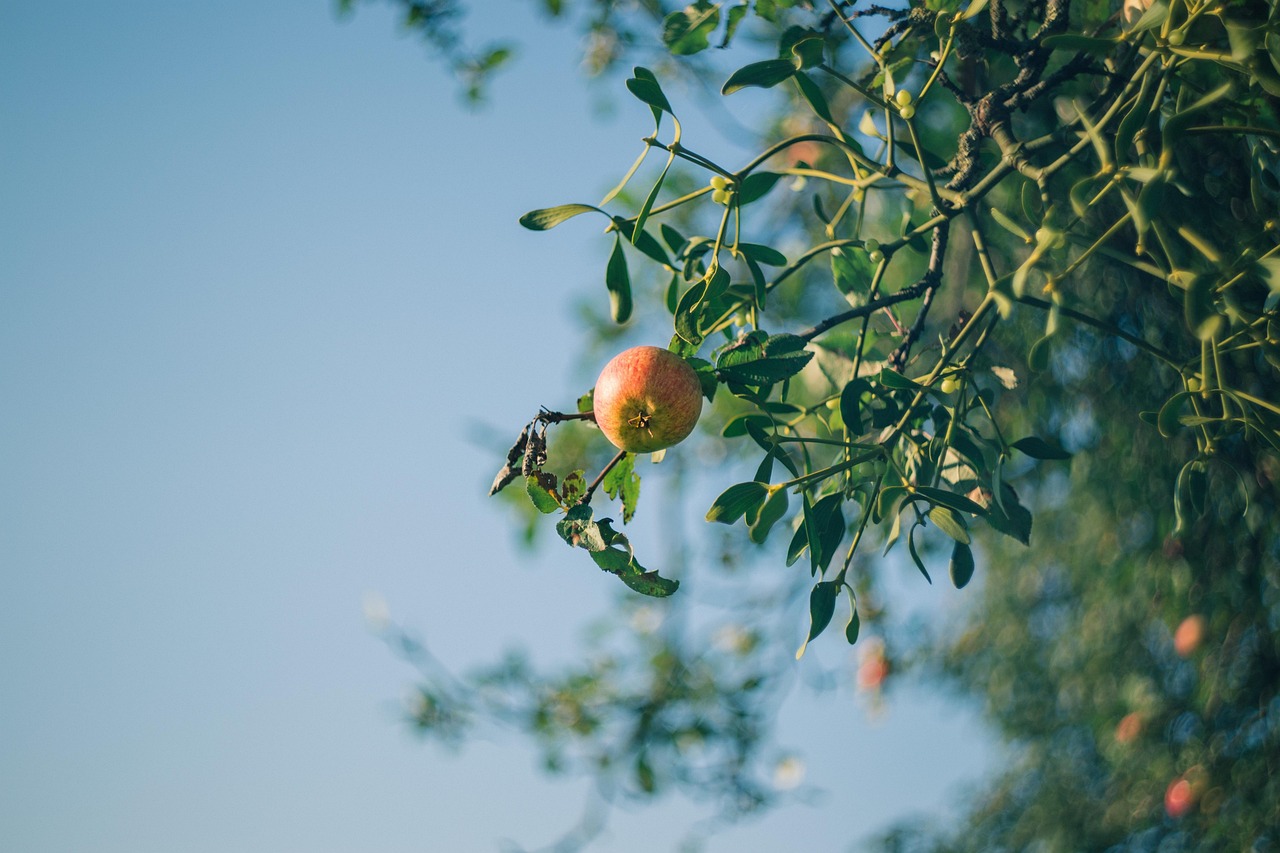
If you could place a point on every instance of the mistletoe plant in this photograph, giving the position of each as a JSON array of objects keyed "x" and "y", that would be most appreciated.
[{"x": 1099, "y": 149}]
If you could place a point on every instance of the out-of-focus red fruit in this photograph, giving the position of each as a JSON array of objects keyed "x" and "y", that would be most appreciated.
[
  {"x": 1189, "y": 635},
  {"x": 1129, "y": 727},
  {"x": 1179, "y": 798}
]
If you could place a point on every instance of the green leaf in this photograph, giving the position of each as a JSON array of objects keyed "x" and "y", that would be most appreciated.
[
  {"x": 1010, "y": 517},
  {"x": 756, "y": 186},
  {"x": 825, "y": 528},
  {"x": 950, "y": 523},
  {"x": 642, "y": 240},
  {"x": 766, "y": 255},
  {"x": 736, "y": 500},
  {"x": 892, "y": 379},
  {"x": 644, "y": 85},
  {"x": 851, "y": 405},
  {"x": 732, "y": 20},
  {"x": 949, "y": 499},
  {"x": 961, "y": 566},
  {"x": 649, "y": 200},
  {"x": 1202, "y": 315},
  {"x": 809, "y": 51},
  {"x": 540, "y": 487},
  {"x": 1167, "y": 420},
  {"x": 813, "y": 94},
  {"x": 579, "y": 530},
  {"x": 618, "y": 281},
  {"x": 822, "y": 605},
  {"x": 915, "y": 556},
  {"x": 573, "y": 487},
  {"x": 772, "y": 511},
  {"x": 763, "y": 75},
  {"x": 854, "y": 623},
  {"x": 650, "y": 583},
  {"x": 1038, "y": 448},
  {"x": 688, "y": 31},
  {"x": 622, "y": 481},
  {"x": 550, "y": 217}
]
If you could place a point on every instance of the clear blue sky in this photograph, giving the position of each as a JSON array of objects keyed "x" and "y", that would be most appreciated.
[{"x": 259, "y": 277}]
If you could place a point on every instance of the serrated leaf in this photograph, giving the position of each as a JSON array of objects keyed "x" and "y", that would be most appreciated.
[
  {"x": 623, "y": 482},
  {"x": 577, "y": 529},
  {"x": 688, "y": 31},
  {"x": 549, "y": 217},
  {"x": 540, "y": 487},
  {"x": 737, "y": 500}
]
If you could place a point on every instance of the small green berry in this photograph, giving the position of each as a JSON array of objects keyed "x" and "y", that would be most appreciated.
[
  {"x": 720, "y": 196},
  {"x": 719, "y": 182},
  {"x": 871, "y": 245},
  {"x": 908, "y": 112},
  {"x": 1193, "y": 384},
  {"x": 903, "y": 97},
  {"x": 1177, "y": 37},
  {"x": 875, "y": 257},
  {"x": 949, "y": 385}
]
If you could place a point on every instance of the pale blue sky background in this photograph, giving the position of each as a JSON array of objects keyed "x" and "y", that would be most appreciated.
[{"x": 245, "y": 252}]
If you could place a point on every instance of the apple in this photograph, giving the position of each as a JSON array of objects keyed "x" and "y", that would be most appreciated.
[{"x": 647, "y": 399}]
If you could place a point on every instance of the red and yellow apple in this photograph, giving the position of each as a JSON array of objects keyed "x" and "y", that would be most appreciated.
[{"x": 647, "y": 399}]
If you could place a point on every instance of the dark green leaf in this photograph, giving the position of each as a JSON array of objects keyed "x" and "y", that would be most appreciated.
[
  {"x": 1038, "y": 448},
  {"x": 644, "y": 241},
  {"x": 961, "y": 566},
  {"x": 618, "y": 281},
  {"x": 854, "y": 623},
  {"x": 764, "y": 74},
  {"x": 949, "y": 499},
  {"x": 851, "y": 405},
  {"x": 766, "y": 255},
  {"x": 813, "y": 94},
  {"x": 1010, "y": 517},
  {"x": 915, "y": 557},
  {"x": 822, "y": 605},
  {"x": 644, "y": 85},
  {"x": 772, "y": 511},
  {"x": 825, "y": 529},
  {"x": 736, "y": 500},
  {"x": 756, "y": 186}
]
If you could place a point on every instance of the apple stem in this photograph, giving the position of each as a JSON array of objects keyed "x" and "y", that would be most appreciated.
[{"x": 591, "y": 489}]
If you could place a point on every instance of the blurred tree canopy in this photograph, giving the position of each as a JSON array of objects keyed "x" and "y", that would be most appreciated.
[{"x": 1000, "y": 292}]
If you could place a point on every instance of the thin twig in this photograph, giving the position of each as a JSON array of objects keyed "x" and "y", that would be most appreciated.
[{"x": 591, "y": 489}]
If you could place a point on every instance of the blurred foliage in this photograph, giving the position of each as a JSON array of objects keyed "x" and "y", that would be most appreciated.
[{"x": 1001, "y": 284}]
